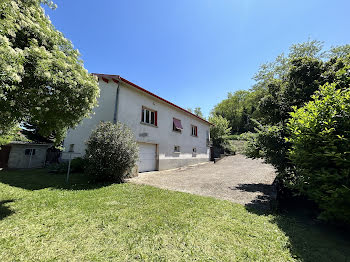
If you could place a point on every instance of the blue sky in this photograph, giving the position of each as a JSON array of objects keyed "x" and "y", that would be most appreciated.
[{"x": 193, "y": 52}]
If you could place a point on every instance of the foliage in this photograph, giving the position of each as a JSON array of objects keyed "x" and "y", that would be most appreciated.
[
  {"x": 229, "y": 147},
  {"x": 269, "y": 143},
  {"x": 42, "y": 78},
  {"x": 77, "y": 165},
  {"x": 293, "y": 88},
  {"x": 219, "y": 130},
  {"x": 338, "y": 51},
  {"x": 291, "y": 83},
  {"x": 198, "y": 112},
  {"x": 59, "y": 168},
  {"x": 12, "y": 134},
  {"x": 238, "y": 108},
  {"x": 288, "y": 81},
  {"x": 246, "y": 136},
  {"x": 320, "y": 142},
  {"x": 111, "y": 152}
]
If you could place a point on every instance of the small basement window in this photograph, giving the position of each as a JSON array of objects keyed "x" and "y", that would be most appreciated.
[
  {"x": 176, "y": 149},
  {"x": 194, "y": 130},
  {"x": 194, "y": 150},
  {"x": 29, "y": 151},
  {"x": 149, "y": 116},
  {"x": 177, "y": 125}
]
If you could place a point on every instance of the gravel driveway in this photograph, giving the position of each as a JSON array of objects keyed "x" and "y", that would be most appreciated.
[{"x": 234, "y": 178}]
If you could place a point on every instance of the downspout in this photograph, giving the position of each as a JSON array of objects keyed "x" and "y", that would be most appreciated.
[{"x": 115, "y": 117}]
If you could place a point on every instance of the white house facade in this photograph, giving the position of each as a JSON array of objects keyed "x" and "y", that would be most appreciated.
[{"x": 168, "y": 135}]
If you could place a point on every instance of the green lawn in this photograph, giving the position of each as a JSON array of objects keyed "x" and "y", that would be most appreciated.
[{"x": 43, "y": 219}]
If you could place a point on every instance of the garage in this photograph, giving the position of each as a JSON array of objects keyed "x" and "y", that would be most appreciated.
[{"x": 147, "y": 157}]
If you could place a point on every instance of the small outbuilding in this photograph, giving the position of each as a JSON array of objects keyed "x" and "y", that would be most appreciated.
[{"x": 19, "y": 154}]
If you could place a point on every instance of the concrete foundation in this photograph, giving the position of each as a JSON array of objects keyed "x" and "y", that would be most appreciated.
[{"x": 165, "y": 164}]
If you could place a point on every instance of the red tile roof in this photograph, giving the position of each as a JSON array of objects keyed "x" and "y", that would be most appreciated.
[{"x": 117, "y": 78}]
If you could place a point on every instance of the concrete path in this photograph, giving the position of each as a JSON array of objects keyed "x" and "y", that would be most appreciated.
[{"x": 235, "y": 178}]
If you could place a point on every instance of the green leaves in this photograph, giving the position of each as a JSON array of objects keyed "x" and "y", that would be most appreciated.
[
  {"x": 42, "y": 77},
  {"x": 220, "y": 129},
  {"x": 111, "y": 153},
  {"x": 319, "y": 133}
]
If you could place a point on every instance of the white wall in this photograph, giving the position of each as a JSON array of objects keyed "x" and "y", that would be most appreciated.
[
  {"x": 131, "y": 101},
  {"x": 103, "y": 112}
]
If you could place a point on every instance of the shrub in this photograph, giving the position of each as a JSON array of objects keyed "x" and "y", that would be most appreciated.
[
  {"x": 111, "y": 152},
  {"x": 58, "y": 168},
  {"x": 269, "y": 143},
  {"x": 320, "y": 142},
  {"x": 246, "y": 136},
  {"x": 219, "y": 130},
  {"x": 229, "y": 147},
  {"x": 78, "y": 165}
]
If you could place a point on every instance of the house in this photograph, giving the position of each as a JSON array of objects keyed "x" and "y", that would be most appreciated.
[
  {"x": 22, "y": 154},
  {"x": 168, "y": 135}
]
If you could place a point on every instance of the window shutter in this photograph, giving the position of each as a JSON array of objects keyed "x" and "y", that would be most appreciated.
[{"x": 155, "y": 118}]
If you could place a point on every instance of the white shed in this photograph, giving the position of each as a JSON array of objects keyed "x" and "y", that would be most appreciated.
[{"x": 27, "y": 154}]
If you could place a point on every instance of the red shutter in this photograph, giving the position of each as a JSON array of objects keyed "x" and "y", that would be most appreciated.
[{"x": 155, "y": 118}]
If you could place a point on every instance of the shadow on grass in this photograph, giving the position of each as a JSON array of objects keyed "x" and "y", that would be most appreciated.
[
  {"x": 310, "y": 239},
  {"x": 4, "y": 210},
  {"x": 264, "y": 200},
  {"x": 36, "y": 179}
]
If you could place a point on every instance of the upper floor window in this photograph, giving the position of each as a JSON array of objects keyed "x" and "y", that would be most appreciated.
[
  {"x": 194, "y": 130},
  {"x": 177, "y": 125},
  {"x": 149, "y": 116}
]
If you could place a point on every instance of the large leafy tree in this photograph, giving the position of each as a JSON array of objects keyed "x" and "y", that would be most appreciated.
[
  {"x": 42, "y": 78},
  {"x": 301, "y": 80},
  {"x": 239, "y": 108}
]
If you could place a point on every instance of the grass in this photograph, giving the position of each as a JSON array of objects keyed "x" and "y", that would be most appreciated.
[{"x": 44, "y": 219}]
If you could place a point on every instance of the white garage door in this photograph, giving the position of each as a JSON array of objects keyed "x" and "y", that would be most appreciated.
[{"x": 147, "y": 157}]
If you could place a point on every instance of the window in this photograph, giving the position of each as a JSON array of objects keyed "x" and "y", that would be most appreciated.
[
  {"x": 71, "y": 148},
  {"x": 149, "y": 116},
  {"x": 177, "y": 125},
  {"x": 194, "y": 150},
  {"x": 208, "y": 139},
  {"x": 194, "y": 130},
  {"x": 176, "y": 149},
  {"x": 29, "y": 152}
]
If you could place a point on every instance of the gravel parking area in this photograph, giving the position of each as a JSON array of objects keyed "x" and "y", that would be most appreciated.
[{"x": 235, "y": 178}]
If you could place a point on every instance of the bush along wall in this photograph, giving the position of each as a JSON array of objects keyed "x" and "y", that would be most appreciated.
[{"x": 111, "y": 153}]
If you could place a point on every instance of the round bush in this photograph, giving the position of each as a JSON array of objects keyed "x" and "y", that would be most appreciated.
[{"x": 111, "y": 152}]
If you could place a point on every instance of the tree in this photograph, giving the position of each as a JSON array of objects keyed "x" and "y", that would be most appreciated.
[
  {"x": 338, "y": 51},
  {"x": 198, "y": 112},
  {"x": 238, "y": 109},
  {"x": 219, "y": 129},
  {"x": 43, "y": 81}
]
